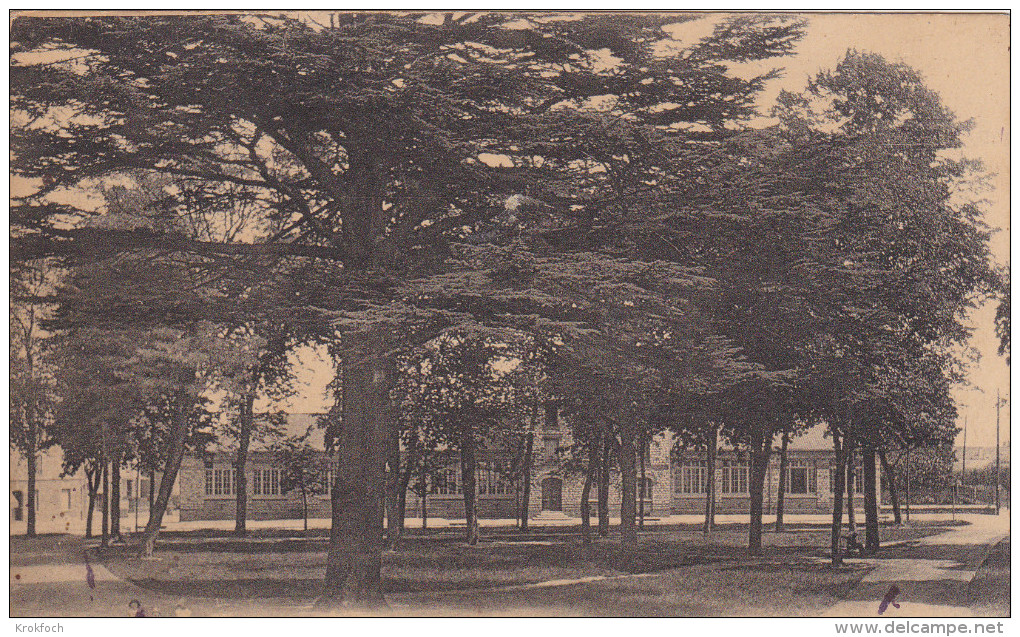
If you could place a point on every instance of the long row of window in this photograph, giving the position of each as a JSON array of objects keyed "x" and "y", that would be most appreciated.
[
  {"x": 800, "y": 477},
  {"x": 691, "y": 478},
  {"x": 488, "y": 481},
  {"x": 224, "y": 482}
]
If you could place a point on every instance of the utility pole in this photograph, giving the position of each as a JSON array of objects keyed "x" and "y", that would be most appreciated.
[
  {"x": 963, "y": 471},
  {"x": 138, "y": 493},
  {"x": 907, "y": 475},
  {"x": 997, "y": 503}
]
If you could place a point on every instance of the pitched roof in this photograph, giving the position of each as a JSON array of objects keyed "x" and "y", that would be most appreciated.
[
  {"x": 816, "y": 438},
  {"x": 296, "y": 424}
]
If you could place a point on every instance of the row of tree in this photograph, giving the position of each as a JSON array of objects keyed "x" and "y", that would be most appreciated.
[{"x": 475, "y": 214}]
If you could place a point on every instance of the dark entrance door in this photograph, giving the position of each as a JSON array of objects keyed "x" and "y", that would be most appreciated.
[
  {"x": 19, "y": 505},
  {"x": 552, "y": 494}
]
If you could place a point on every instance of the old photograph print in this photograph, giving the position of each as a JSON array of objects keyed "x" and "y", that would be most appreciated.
[{"x": 478, "y": 313}]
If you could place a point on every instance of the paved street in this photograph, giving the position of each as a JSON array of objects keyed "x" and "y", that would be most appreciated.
[{"x": 932, "y": 574}]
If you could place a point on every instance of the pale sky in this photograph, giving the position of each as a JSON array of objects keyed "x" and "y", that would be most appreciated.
[{"x": 965, "y": 58}]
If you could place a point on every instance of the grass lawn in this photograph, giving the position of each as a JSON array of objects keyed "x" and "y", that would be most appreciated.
[{"x": 679, "y": 571}]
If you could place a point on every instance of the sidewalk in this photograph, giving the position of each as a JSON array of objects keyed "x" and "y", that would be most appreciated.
[
  {"x": 444, "y": 523},
  {"x": 932, "y": 574}
]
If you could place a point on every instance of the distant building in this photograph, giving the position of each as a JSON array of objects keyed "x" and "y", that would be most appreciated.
[
  {"x": 208, "y": 482},
  {"x": 980, "y": 457},
  {"x": 62, "y": 501},
  {"x": 674, "y": 483}
]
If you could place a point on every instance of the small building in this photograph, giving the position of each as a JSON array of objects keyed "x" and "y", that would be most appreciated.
[{"x": 61, "y": 503}]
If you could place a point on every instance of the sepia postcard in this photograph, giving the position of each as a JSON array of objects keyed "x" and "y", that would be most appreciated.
[{"x": 449, "y": 313}]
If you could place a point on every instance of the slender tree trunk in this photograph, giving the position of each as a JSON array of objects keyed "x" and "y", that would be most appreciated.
[
  {"x": 115, "y": 534},
  {"x": 152, "y": 489},
  {"x": 906, "y": 479},
  {"x": 517, "y": 503},
  {"x": 851, "y": 482},
  {"x": 837, "y": 502},
  {"x": 241, "y": 466},
  {"x": 92, "y": 480},
  {"x": 105, "y": 542},
  {"x": 760, "y": 447},
  {"x": 393, "y": 482},
  {"x": 468, "y": 466},
  {"x": 405, "y": 480},
  {"x": 781, "y": 496},
  {"x": 713, "y": 449},
  {"x": 628, "y": 479},
  {"x": 894, "y": 496},
  {"x": 589, "y": 477},
  {"x": 529, "y": 454},
  {"x": 642, "y": 490},
  {"x": 424, "y": 512},
  {"x": 424, "y": 494},
  {"x": 354, "y": 558},
  {"x": 175, "y": 454},
  {"x": 872, "y": 540},
  {"x": 31, "y": 452},
  {"x": 603, "y": 495},
  {"x": 304, "y": 509}
]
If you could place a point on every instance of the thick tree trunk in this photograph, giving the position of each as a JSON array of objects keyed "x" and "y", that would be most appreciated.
[
  {"x": 871, "y": 537},
  {"x": 175, "y": 454},
  {"x": 106, "y": 503},
  {"x": 628, "y": 479},
  {"x": 603, "y": 494},
  {"x": 468, "y": 467},
  {"x": 115, "y": 534},
  {"x": 589, "y": 477},
  {"x": 760, "y": 448},
  {"x": 713, "y": 449},
  {"x": 241, "y": 465},
  {"x": 894, "y": 496},
  {"x": 836, "y": 554},
  {"x": 783, "y": 480},
  {"x": 529, "y": 454},
  {"x": 354, "y": 558}
]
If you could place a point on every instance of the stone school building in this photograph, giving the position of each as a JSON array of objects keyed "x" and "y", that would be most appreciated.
[{"x": 674, "y": 484}]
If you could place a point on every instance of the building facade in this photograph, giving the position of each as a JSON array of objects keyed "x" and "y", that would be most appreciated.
[
  {"x": 61, "y": 504},
  {"x": 674, "y": 483}
]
